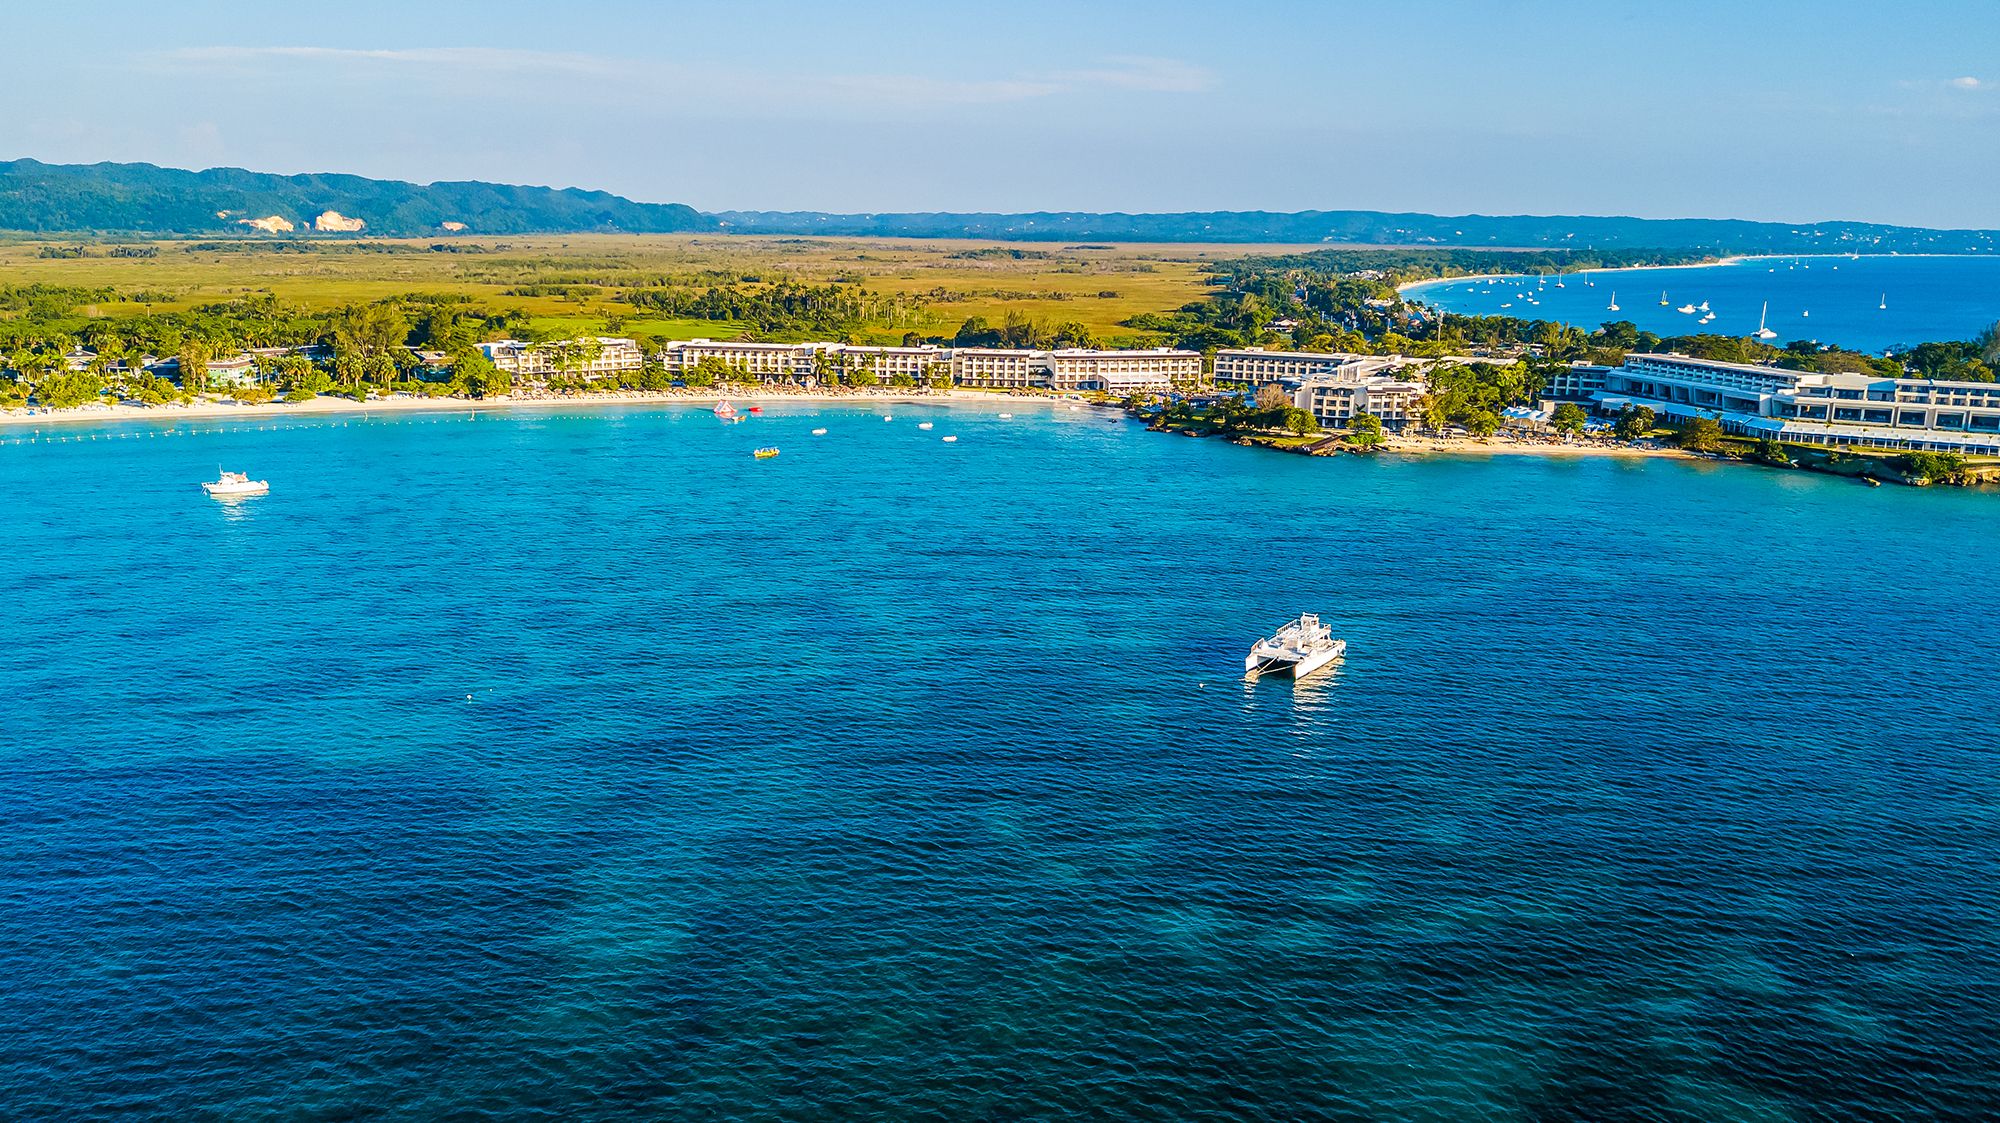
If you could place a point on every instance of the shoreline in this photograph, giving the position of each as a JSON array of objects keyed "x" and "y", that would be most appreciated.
[
  {"x": 1732, "y": 259},
  {"x": 328, "y": 405}
]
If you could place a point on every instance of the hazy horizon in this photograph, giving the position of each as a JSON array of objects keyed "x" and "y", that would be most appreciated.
[{"x": 1798, "y": 112}]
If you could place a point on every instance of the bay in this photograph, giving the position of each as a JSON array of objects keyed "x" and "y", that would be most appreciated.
[
  {"x": 575, "y": 764},
  {"x": 1831, "y": 299}
]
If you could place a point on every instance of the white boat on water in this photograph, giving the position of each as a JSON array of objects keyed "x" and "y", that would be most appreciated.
[
  {"x": 923, "y": 424},
  {"x": 1685, "y": 309},
  {"x": 236, "y": 483},
  {"x": 1762, "y": 331},
  {"x": 1614, "y": 301},
  {"x": 1298, "y": 649},
  {"x": 819, "y": 432}
]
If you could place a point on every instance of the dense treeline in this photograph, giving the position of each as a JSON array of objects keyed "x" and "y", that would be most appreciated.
[
  {"x": 783, "y": 307},
  {"x": 349, "y": 350}
]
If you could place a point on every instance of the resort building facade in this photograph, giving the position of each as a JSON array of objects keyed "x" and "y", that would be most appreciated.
[
  {"x": 766, "y": 362},
  {"x": 590, "y": 357},
  {"x": 887, "y": 363},
  {"x": 1810, "y": 407},
  {"x": 1577, "y": 382},
  {"x": 1335, "y": 401},
  {"x": 1123, "y": 372},
  {"x": 995, "y": 368},
  {"x": 1254, "y": 366}
]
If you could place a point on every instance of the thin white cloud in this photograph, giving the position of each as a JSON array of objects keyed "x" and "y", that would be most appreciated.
[
  {"x": 780, "y": 83},
  {"x": 1968, "y": 83},
  {"x": 496, "y": 59},
  {"x": 1138, "y": 72}
]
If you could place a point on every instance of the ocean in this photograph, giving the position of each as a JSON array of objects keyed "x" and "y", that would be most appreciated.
[
  {"x": 1830, "y": 299},
  {"x": 573, "y": 764}
]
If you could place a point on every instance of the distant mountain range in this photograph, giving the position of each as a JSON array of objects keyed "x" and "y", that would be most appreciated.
[
  {"x": 146, "y": 200},
  {"x": 1383, "y": 228}
]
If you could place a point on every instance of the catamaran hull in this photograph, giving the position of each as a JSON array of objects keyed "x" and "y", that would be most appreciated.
[{"x": 1292, "y": 668}]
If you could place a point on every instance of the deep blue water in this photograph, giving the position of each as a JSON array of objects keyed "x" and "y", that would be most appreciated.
[
  {"x": 1929, "y": 298},
  {"x": 895, "y": 778}
]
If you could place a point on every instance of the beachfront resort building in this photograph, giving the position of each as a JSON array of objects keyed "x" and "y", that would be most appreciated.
[
  {"x": 918, "y": 364},
  {"x": 588, "y": 357},
  {"x": 1254, "y": 366},
  {"x": 1577, "y": 382},
  {"x": 1808, "y": 407},
  {"x": 996, "y": 368},
  {"x": 766, "y": 362},
  {"x": 1335, "y": 400},
  {"x": 1123, "y": 372}
]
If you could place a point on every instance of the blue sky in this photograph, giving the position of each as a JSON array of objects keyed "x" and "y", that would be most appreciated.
[{"x": 1782, "y": 110}]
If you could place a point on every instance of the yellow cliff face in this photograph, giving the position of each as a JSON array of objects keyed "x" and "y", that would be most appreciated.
[
  {"x": 272, "y": 224},
  {"x": 333, "y": 222}
]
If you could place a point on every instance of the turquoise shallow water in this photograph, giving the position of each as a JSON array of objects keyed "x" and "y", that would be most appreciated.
[
  {"x": 893, "y": 778},
  {"x": 1829, "y": 299}
]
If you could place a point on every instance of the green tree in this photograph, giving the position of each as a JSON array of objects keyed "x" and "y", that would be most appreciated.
[
  {"x": 1930, "y": 467},
  {"x": 1634, "y": 422},
  {"x": 1364, "y": 430},
  {"x": 1700, "y": 434},
  {"x": 1481, "y": 422},
  {"x": 194, "y": 358},
  {"x": 1569, "y": 418}
]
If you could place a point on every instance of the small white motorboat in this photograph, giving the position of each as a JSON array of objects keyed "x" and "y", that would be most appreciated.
[
  {"x": 947, "y": 440},
  {"x": 819, "y": 432},
  {"x": 1298, "y": 649},
  {"x": 888, "y": 417},
  {"x": 1006, "y": 417},
  {"x": 234, "y": 484},
  {"x": 923, "y": 424}
]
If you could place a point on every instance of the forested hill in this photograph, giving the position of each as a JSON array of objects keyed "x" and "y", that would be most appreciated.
[
  {"x": 1382, "y": 228},
  {"x": 81, "y": 199},
  {"x": 145, "y": 199}
]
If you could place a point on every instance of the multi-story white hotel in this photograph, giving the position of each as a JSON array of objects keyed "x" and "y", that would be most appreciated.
[
  {"x": 1334, "y": 401},
  {"x": 1811, "y": 408},
  {"x": 919, "y": 363},
  {"x": 766, "y": 362},
  {"x": 1577, "y": 382},
  {"x": 994, "y": 368},
  {"x": 587, "y": 358},
  {"x": 1254, "y": 366},
  {"x": 1123, "y": 372}
]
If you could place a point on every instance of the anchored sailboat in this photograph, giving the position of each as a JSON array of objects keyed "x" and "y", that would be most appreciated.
[{"x": 1763, "y": 332}]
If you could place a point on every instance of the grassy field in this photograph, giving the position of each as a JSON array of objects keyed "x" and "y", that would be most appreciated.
[{"x": 939, "y": 283}]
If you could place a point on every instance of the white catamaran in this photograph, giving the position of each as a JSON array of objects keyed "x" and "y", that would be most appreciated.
[{"x": 1298, "y": 649}]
